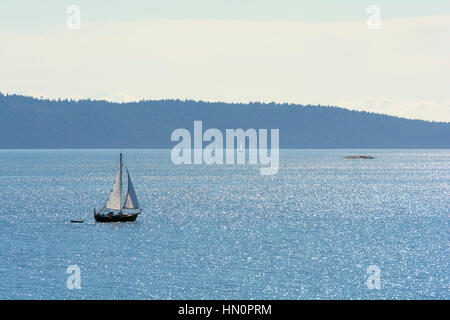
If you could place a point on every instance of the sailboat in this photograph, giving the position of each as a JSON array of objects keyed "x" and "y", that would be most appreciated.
[{"x": 113, "y": 210}]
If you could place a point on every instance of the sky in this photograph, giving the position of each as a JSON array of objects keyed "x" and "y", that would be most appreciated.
[{"x": 305, "y": 52}]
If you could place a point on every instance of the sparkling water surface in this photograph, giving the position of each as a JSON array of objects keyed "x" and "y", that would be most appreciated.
[{"x": 225, "y": 231}]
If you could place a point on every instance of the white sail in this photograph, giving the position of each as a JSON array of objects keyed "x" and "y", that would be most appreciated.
[
  {"x": 131, "y": 201},
  {"x": 115, "y": 197}
]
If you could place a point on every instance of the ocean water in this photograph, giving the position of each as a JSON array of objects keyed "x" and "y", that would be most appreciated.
[{"x": 224, "y": 231}]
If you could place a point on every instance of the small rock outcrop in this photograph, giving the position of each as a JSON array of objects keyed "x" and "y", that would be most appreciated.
[{"x": 360, "y": 156}]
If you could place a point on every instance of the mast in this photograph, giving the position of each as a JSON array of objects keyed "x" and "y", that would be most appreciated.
[{"x": 120, "y": 168}]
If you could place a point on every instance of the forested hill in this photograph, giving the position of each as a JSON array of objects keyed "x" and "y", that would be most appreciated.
[{"x": 27, "y": 122}]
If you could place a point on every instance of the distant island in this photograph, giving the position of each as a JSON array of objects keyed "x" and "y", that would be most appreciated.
[
  {"x": 27, "y": 122},
  {"x": 360, "y": 156}
]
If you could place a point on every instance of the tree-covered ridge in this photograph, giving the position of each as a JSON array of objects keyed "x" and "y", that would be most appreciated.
[{"x": 27, "y": 122}]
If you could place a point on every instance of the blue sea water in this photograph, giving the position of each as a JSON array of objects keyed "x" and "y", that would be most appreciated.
[{"x": 225, "y": 231}]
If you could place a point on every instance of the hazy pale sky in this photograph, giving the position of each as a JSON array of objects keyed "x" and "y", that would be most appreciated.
[{"x": 308, "y": 52}]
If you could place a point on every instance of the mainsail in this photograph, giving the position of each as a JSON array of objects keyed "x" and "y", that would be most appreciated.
[
  {"x": 115, "y": 197},
  {"x": 131, "y": 201}
]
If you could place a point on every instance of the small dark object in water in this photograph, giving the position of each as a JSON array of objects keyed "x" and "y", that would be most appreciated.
[
  {"x": 359, "y": 157},
  {"x": 77, "y": 221}
]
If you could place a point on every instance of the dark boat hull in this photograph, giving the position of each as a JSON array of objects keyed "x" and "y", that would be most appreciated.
[{"x": 116, "y": 218}]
